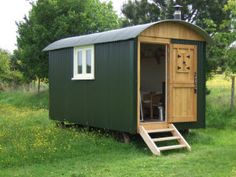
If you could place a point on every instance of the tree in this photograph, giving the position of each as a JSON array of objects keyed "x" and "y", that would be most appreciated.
[
  {"x": 230, "y": 62},
  {"x": 139, "y": 12},
  {"x": 50, "y": 20},
  {"x": 220, "y": 55},
  {"x": 7, "y": 75},
  {"x": 4, "y": 65},
  {"x": 198, "y": 12}
]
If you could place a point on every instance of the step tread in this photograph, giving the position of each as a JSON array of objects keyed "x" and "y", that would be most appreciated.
[
  {"x": 164, "y": 148},
  {"x": 161, "y": 130},
  {"x": 166, "y": 138}
]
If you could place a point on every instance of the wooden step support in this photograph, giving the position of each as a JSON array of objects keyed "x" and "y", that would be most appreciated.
[
  {"x": 148, "y": 140},
  {"x": 152, "y": 143}
]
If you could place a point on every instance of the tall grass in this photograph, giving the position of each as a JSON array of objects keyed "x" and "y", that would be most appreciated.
[
  {"x": 27, "y": 136},
  {"x": 218, "y": 104},
  {"x": 31, "y": 144},
  {"x": 25, "y": 99}
]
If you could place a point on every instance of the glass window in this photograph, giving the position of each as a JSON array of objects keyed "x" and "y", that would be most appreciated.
[
  {"x": 80, "y": 69},
  {"x": 83, "y": 63},
  {"x": 88, "y": 61}
]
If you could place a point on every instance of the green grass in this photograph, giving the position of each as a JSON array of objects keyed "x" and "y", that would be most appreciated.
[{"x": 31, "y": 144}]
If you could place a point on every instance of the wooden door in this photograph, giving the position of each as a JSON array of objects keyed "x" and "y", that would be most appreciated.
[{"x": 182, "y": 92}]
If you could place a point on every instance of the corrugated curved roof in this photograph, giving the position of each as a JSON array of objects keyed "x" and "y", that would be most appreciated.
[{"x": 117, "y": 35}]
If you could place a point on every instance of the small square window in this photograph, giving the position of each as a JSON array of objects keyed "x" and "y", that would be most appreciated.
[{"x": 83, "y": 63}]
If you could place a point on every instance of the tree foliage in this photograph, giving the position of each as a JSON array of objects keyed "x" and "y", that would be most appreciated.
[
  {"x": 4, "y": 63},
  {"x": 7, "y": 74},
  {"x": 220, "y": 56},
  {"x": 50, "y": 20},
  {"x": 139, "y": 12},
  {"x": 230, "y": 64},
  {"x": 199, "y": 12}
]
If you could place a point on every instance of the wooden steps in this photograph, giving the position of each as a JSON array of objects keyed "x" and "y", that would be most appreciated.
[
  {"x": 166, "y": 138},
  {"x": 160, "y": 130},
  {"x": 152, "y": 143},
  {"x": 164, "y": 148}
]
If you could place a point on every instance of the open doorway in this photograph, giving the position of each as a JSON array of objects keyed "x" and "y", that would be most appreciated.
[{"x": 152, "y": 82}]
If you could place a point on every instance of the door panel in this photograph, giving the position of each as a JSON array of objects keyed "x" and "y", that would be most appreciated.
[{"x": 182, "y": 97}]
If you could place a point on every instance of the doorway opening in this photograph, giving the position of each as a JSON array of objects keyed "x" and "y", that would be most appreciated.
[{"x": 153, "y": 82}]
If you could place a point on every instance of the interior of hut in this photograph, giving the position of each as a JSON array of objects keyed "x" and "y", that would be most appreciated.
[{"x": 153, "y": 76}]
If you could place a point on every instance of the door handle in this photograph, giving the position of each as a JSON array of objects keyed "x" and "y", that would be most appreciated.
[{"x": 195, "y": 82}]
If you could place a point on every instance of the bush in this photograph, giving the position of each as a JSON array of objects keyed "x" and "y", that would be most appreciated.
[{"x": 8, "y": 77}]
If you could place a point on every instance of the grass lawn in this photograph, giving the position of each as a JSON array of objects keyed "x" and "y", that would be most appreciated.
[{"x": 31, "y": 144}]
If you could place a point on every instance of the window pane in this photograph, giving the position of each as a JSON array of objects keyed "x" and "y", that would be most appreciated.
[
  {"x": 79, "y": 62},
  {"x": 88, "y": 61}
]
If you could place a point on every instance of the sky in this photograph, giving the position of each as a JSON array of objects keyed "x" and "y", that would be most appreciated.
[{"x": 12, "y": 11}]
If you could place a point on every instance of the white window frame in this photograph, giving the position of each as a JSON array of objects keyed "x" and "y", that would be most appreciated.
[{"x": 84, "y": 75}]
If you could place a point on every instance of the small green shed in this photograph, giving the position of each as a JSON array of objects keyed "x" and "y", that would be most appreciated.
[{"x": 137, "y": 79}]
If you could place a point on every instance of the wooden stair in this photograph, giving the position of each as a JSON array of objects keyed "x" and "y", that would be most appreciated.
[{"x": 152, "y": 143}]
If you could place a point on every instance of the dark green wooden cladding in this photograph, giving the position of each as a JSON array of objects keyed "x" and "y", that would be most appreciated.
[
  {"x": 106, "y": 102},
  {"x": 201, "y": 85},
  {"x": 110, "y": 100}
]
